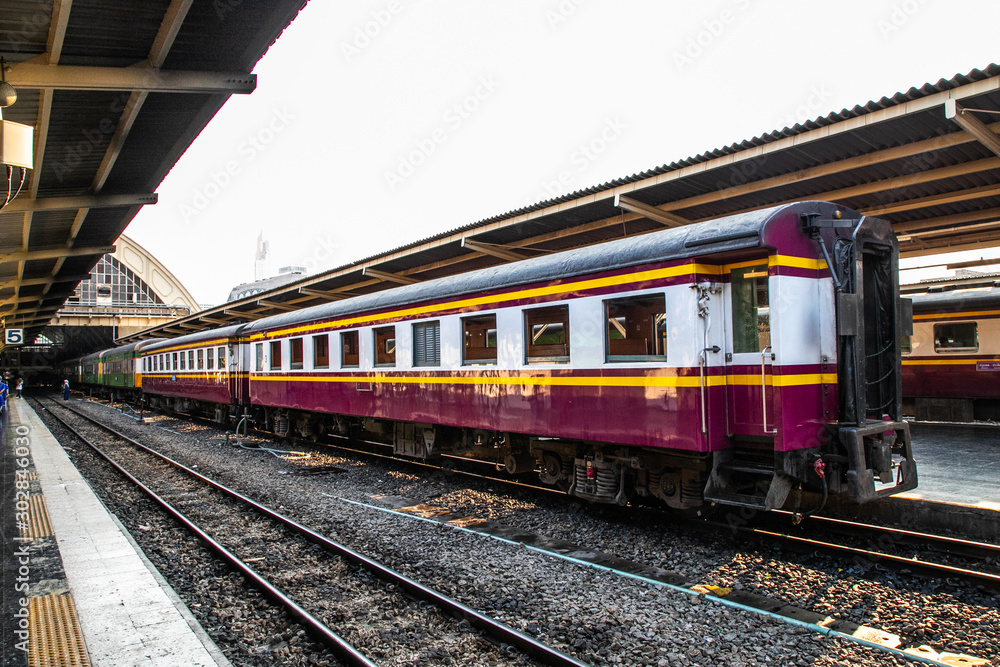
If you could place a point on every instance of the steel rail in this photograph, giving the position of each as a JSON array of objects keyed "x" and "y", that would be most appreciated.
[
  {"x": 934, "y": 569},
  {"x": 341, "y": 648},
  {"x": 952, "y": 545},
  {"x": 930, "y": 568},
  {"x": 535, "y": 649}
]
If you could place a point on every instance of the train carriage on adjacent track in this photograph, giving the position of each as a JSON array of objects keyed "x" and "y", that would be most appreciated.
[
  {"x": 951, "y": 364},
  {"x": 195, "y": 373}
]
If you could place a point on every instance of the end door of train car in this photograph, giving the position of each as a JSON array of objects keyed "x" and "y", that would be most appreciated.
[{"x": 811, "y": 360}]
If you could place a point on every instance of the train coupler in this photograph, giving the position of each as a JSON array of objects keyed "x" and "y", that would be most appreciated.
[{"x": 879, "y": 450}]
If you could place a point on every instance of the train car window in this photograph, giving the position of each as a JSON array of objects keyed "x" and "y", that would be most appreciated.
[
  {"x": 349, "y": 349},
  {"x": 480, "y": 339},
  {"x": 222, "y": 358},
  {"x": 427, "y": 344},
  {"x": 636, "y": 329},
  {"x": 156, "y": 364},
  {"x": 174, "y": 366},
  {"x": 547, "y": 334},
  {"x": 258, "y": 357},
  {"x": 210, "y": 359},
  {"x": 183, "y": 361},
  {"x": 201, "y": 360},
  {"x": 385, "y": 346},
  {"x": 275, "y": 355},
  {"x": 751, "y": 311},
  {"x": 190, "y": 360},
  {"x": 321, "y": 351},
  {"x": 956, "y": 337},
  {"x": 295, "y": 356}
]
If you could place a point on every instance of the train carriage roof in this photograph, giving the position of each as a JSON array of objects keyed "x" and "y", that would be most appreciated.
[
  {"x": 743, "y": 231},
  {"x": 231, "y": 331},
  {"x": 955, "y": 301}
]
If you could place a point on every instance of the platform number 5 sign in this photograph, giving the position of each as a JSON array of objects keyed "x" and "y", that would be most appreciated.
[{"x": 13, "y": 336}]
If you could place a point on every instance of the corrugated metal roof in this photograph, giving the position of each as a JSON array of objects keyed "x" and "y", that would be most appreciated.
[{"x": 904, "y": 152}]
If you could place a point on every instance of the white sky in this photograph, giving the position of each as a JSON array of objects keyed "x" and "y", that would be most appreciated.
[{"x": 446, "y": 113}]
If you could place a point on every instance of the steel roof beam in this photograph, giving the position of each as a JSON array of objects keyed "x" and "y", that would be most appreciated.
[
  {"x": 169, "y": 27},
  {"x": 648, "y": 211},
  {"x": 275, "y": 305},
  {"x": 52, "y": 253},
  {"x": 57, "y": 29},
  {"x": 139, "y": 78},
  {"x": 20, "y": 299},
  {"x": 964, "y": 119},
  {"x": 329, "y": 295},
  {"x": 24, "y": 204},
  {"x": 22, "y": 318},
  {"x": 43, "y": 281},
  {"x": 934, "y": 200},
  {"x": 956, "y": 219},
  {"x": 388, "y": 277},
  {"x": 950, "y": 231},
  {"x": 974, "y": 242},
  {"x": 493, "y": 249}
]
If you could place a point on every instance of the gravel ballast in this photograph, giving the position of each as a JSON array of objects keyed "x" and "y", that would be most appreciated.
[{"x": 599, "y": 617}]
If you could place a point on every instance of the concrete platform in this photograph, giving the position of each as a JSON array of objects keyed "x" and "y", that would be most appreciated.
[
  {"x": 958, "y": 492},
  {"x": 957, "y": 463},
  {"x": 74, "y": 556}
]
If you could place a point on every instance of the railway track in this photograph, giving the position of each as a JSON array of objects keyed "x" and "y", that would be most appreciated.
[
  {"x": 755, "y": 588},
  {"x": 903, "y": 550},
  {"x": 200, "y": 497}
]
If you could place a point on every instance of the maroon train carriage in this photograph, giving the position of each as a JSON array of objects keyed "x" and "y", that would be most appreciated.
[
  {"x": 197, "y": 373},
  {"x": 721, "y": 361},
  {"x": 951, "y": 363}
]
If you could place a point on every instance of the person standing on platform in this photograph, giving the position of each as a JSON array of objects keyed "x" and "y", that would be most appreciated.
[
  {"x": 19, "y": 386},
  {"x": 65, "y": 390}
]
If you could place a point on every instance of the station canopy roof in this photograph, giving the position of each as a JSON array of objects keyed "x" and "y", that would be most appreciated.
[
  {"x": 927, "y": 160},
  {"x": 116, "y": 90}
]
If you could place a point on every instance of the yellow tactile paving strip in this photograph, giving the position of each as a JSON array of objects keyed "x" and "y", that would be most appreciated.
[
  {"x": 56, "y": 640},
  {"x": 38, "y": 520}
]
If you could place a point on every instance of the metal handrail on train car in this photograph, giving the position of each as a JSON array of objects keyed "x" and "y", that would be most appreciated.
[{"x": 763, "y": 391}]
